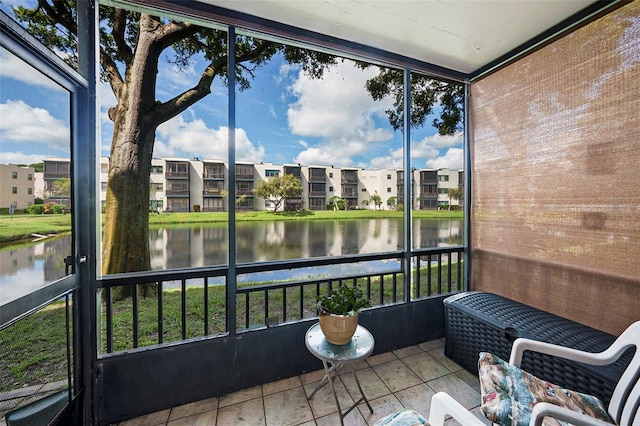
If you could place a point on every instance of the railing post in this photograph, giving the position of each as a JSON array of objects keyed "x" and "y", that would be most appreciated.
[
  {"x": 408, "y": 199},
  {"x": 231, "y": 283}
]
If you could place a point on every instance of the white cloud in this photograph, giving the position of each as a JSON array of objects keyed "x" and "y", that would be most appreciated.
[
  {"x": 193, "y": 138},
  {"x": 430, "y": 150},
  {"x": 13, "y": 67},
  {"x": 452, "y": 159},
  {"x": 22, "y": 123},
  {"x": 338, "y": 110},
  {"x": 21, "y": 158}
]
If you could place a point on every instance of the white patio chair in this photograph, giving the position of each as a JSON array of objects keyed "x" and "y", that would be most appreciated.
[{"x": 524, "y": 399}]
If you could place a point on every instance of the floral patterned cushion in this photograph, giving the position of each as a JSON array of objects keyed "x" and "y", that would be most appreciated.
[
  {"x": 402, "y": 418},
  {"x": 509, "y": 394}
]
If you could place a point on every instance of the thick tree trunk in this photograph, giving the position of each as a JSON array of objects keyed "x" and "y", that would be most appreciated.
[{"x": 126, "y": 228}]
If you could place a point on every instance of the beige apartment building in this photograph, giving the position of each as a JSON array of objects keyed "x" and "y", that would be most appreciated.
[
  {"x": 183, "y": 185},
  {"x": 16, "y": 186}
]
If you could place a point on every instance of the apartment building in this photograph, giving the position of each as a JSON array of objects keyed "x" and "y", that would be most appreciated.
[
  {"x": 16, "y": 186},
  {"x": 183, "y": 185}
]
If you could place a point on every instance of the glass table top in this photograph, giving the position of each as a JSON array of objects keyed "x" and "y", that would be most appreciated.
[{"x": 360, "y": 346}]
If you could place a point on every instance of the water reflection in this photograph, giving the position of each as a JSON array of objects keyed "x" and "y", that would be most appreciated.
[{"x": 29, "y": 268}]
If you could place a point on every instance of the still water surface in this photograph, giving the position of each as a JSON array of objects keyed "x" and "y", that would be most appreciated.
[{"x": 31, "y": 267}]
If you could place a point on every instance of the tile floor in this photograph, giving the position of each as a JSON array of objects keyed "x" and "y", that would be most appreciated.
[{"x": 404, "y": 378}]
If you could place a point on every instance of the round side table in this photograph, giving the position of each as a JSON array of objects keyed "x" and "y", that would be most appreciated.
[{"x": 334, "y": 357}]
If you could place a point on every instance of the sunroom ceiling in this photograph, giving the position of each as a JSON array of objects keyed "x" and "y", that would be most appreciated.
[{"x": 463, "y": 36}]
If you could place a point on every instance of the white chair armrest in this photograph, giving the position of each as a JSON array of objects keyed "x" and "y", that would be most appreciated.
[
  {"x": 545, "y": 409},
  {"x": 521, "y": 345},
  {"x": 443, "y": 405}
]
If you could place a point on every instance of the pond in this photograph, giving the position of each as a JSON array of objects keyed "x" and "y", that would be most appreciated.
[{"x": 32, "y": 266}]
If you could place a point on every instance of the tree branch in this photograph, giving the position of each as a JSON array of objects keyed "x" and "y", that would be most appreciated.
[
  {"x": 180, "y": 103},
  {"x": 119, "y": 30}
]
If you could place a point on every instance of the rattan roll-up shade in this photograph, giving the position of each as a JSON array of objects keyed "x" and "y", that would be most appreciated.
[{"x": 555, "y": 145}]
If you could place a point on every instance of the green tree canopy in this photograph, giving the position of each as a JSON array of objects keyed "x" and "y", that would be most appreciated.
[
  {"x": 376, "y": 199},
  {"x": 278, "y": 188}
]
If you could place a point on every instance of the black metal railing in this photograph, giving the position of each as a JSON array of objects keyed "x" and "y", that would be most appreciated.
[{"x": 162, "y": 307}]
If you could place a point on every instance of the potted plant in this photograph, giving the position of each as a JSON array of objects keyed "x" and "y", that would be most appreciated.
[{"x": 339, "y": 311}]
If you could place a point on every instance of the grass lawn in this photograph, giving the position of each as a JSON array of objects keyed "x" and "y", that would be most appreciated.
[
  {"x": 33, "y": 351},
  {"x": 21, "y": 227}
]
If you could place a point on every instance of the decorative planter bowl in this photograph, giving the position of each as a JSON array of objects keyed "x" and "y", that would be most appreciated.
[{"x": 338, "y": 329}]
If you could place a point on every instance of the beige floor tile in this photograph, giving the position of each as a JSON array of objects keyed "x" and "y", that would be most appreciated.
[
  {"x": 372, "y": 386},
  {"x": 250, "y": 413},
  {"x": 396, "y": 375},
  {"x": 312, "y": 376},
  {"x": 432, "y": 344},
  {"x": 240, "y": 396},
  {"x": 417, "y": 398},
  {"x": 381, "y": 358},
  {"x": 458, "y": 389},
  {"x": 425, "y": 366},
  {"x": 153, "y": 419},
  {"x": 323, "y": 402},
  {"x": 207, "y": 418},
  {"x": 439, "y": 355},
  {"x": 354, "y": 418},
  {"x": 470, "y": 379},
  {"x": 281, "y": 385},
  {"x": 381, "y": 407},
  {"x": 287, "y": 408},
  {"x": 193, "y": 408},
  {"x": 407, "y": 351}
]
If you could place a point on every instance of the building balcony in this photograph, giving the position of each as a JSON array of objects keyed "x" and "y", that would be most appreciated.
[{"x": 176, "y": 175}]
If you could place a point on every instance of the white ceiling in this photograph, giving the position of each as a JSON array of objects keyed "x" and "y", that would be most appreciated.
[{"x": 458, "y": 35}]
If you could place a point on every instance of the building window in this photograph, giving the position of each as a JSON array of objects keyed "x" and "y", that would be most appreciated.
[
  {"x": 156, "y": 169},
  {"x": 156, "y": 186},
  {"x": 443, "y": 178},
  {"x": 271, "y": 173},
  {"x": 443, "y": 190},
  {"x": 14, "y": 175},
  {"x": 388, "y": 177},
  {"x": 331, "y": 189},
  {"x": 29, "y": 176},
  {"x": 388, "y": 189},
  {"x": 29, "y": 191},
  {"x": 330, "y": 174},
  {"x": 14, "y": 190},
  {"x": 103, "y": 186}
]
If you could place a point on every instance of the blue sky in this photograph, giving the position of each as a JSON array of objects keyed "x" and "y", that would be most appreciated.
[{"x": 285, "y": 117}]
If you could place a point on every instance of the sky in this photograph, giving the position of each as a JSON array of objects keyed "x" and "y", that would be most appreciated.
[{"x": 285, "y": 117}]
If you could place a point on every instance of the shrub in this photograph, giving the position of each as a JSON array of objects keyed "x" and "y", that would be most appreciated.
[{"x": 35, "y": 209}]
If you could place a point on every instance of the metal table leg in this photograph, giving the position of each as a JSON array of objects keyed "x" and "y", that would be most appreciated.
[{"x": 330, "y": 372}]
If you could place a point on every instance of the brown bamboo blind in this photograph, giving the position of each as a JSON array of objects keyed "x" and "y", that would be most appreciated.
[{"x": 555, "y": 145}]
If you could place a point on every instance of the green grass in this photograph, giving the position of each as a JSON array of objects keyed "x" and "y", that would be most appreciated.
[
  {"x": 33, "y": 350},
  {"x": 21, "y": 227}
]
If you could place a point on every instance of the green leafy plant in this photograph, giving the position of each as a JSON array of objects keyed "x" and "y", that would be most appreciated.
[{"x": 344, "y": 300}]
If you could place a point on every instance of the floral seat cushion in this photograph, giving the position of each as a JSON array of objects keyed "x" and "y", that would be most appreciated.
[
  {"x": 402, "y": 418},
  {"x": 509, "y": 394}
]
